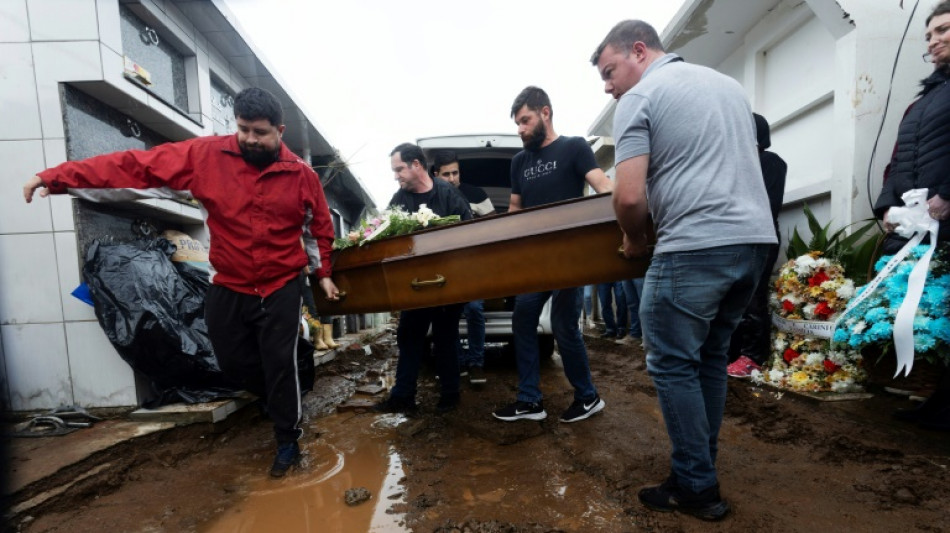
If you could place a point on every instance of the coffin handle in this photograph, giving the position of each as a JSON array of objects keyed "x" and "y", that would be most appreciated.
[{"x": 416, "y": 284}]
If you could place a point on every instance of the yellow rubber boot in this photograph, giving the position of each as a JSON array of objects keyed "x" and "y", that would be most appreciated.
[
  {"x": 328, "y": 337},
  {"x": 317, "y": 337}
]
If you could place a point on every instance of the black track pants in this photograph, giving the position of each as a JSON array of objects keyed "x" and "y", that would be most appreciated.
[{"x": 255, "y": 341}]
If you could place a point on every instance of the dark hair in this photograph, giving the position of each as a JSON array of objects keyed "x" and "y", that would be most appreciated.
[
  {"x": 409, "y": 152},
  {"x": 533, "y": 97},
  {"x": 256, "y": 103},
  {"x": 625, "y": 34},
  {"x": 942, "y": 9},
  {"x": 442, "y": 158}
]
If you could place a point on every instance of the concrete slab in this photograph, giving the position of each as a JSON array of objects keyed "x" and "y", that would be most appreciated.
[
  {"x": 34, "y": 459},
  {"x": 182, "y": 413}
]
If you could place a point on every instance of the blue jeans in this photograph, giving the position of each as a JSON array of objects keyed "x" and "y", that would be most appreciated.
[
  {"x": 411, "y": 339},
  {"x": 475, "y": 317},
  {"x": 607, "y": 293},
  {"x": 565, "y": 311},
  {"x": 692, "y": 302},
  {"x": 632, "y": 290}
]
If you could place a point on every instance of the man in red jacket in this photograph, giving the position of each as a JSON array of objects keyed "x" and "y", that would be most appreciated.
[{"x": 258, "y": 200}]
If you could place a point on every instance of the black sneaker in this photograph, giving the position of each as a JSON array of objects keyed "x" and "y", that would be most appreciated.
[
  {"x": 580, "y": 409},
  {"x": 669, "y": 496},
  {"x": 521, "y": 411},
  {"x": 447, "y": 403},
  {"x": 395, "y": 404},
  {"x": 476, "y": 375},
  {"x": 288, "y": 454}
]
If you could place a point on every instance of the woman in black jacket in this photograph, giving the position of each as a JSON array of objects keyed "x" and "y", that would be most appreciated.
[{"x": 922, "y": 160}]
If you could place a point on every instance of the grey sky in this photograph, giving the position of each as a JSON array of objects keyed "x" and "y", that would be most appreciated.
[{"x": 374, "y": 73}]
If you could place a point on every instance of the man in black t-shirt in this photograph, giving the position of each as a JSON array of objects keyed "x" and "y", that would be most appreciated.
[
  {"x": 416, "y": 188},
  {"x": 551, "y": 168}
]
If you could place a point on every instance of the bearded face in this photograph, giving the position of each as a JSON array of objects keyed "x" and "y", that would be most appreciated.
[
  {"x": 533, "y": 139},
  {"x": 259, "y": 141},
  {"x": 259, "y": 156}
]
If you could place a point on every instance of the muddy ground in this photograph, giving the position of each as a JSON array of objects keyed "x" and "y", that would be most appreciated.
[{"x": 787, "y": 463}]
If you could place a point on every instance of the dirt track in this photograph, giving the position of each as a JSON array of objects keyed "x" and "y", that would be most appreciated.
[{"x": 786, "y": 463}]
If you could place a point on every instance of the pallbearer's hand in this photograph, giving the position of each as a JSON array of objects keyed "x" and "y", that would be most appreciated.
[
  {"x": 635, "y": 248},
  {"x": 329, "y": 289}
]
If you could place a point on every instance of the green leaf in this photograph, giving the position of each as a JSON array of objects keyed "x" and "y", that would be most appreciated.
[{"x": 796, "y": 246}]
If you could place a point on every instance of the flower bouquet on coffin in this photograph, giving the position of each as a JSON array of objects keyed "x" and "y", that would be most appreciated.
[
  {"x": 390, "y": 223},
  {"x": 870, "y": 322},
  {"x": 810, "y": 292}
]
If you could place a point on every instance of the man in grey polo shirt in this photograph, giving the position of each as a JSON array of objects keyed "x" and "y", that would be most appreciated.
[{"x": 686, "y": 147}]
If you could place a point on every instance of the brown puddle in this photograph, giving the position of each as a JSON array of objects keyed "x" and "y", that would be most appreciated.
[{"x": 351, "y": 452}]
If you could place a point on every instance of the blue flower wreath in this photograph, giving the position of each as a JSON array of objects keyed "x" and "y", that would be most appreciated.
[{"x": 871, "y": 323}]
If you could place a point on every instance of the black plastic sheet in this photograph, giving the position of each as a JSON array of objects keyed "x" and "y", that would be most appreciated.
[{"x": 152, "y": 310}]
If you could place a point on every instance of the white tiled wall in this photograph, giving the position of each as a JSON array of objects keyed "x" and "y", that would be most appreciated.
[
  {"x": 36, "y": 366},
  {"x": 29, "y": 278},
  {"x": 57, "y": 61},
  {"x": 4, "y": 392},
  {"x": 63, "y": 20},
  {"x": 109, "y": 33},
  {"x": 67, "y": 260},
  {"x": 100, "y": 377},
  {"x": 18, "y": 89},
  {"x": 14, "y": 23},
  {"x": 21, "y": 160}
]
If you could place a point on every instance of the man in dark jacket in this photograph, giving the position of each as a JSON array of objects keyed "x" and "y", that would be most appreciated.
[{"x": 417, "y": 188}]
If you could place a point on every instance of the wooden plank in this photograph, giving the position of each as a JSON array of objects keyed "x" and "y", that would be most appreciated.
[{"x": 567, "y": 244}]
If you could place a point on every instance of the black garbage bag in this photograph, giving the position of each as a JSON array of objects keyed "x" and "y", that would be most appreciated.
[{"x": 152, "y": 310}]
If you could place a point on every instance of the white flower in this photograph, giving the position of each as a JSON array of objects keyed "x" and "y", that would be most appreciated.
[
  {"x": 859, "y": 327},
  {"x": 424, "y": 215},
  {"x": 757, "y": 377},
  {"x": 809, "y": 310},
  {"x": 846, "y": 290},
  {"x": 804, "y": 264},
  {"x": 837, "y": 357},
  {"x": 775, "y": 376},
  {"x": 814, "y": 358}
]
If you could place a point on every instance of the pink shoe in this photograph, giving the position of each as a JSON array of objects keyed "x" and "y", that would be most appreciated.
[{"x": 742, "y": 367}]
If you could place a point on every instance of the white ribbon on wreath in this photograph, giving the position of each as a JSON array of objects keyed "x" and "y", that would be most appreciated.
[
  {"x": 913, "y": 222},
  {"x": 809, "y": 328}
]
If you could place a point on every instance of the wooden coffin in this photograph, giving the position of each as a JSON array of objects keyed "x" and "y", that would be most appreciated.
[{"x": 567, "y": 244}]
